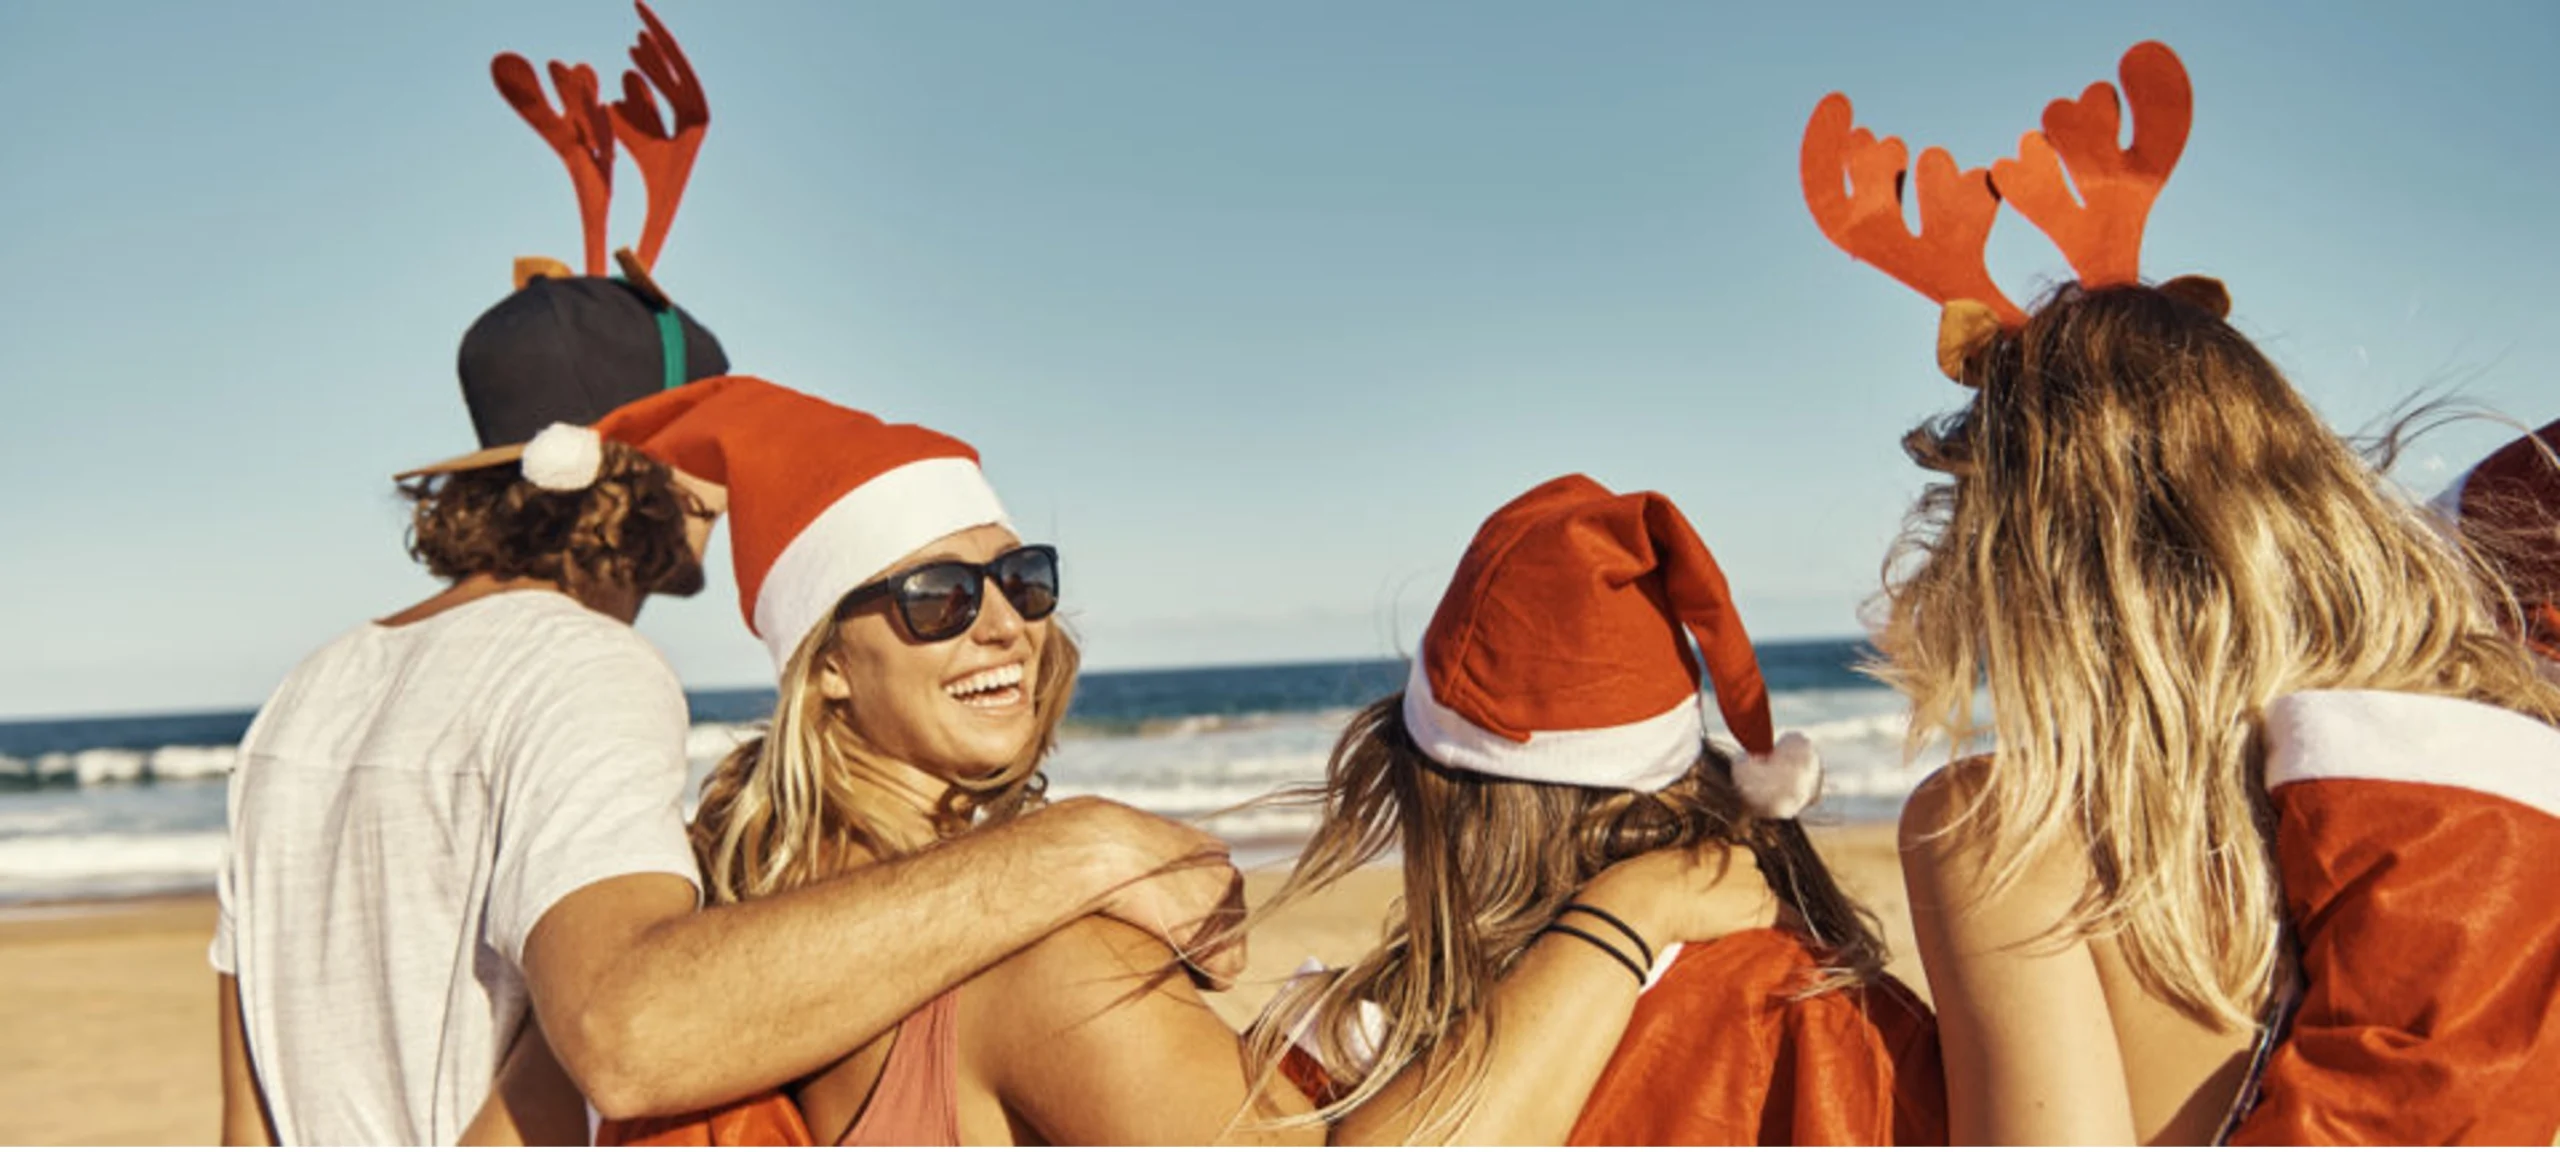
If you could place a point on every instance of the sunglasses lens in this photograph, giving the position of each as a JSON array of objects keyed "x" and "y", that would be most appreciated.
[
  {"x": 939, "y": 600},
  {"x": 1029, "y": 578}
]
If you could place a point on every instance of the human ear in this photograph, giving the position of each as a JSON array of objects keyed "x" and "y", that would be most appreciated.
[{"x": 832, "y": 683}]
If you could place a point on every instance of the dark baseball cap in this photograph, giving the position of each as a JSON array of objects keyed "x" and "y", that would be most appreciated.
[{"x": 567, "y": 350}]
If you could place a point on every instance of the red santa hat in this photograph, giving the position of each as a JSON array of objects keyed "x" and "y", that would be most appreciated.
[
  {"x": 1557, "y": 654},
  {"x": 2509, "y": 505},
  {"x": 822, "y": 498}
]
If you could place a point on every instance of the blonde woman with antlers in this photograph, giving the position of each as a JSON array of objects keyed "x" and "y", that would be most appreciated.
[{"x": 2260, "y": 852}]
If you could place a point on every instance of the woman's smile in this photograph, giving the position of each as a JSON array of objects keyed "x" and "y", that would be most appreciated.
[{"x": 997, "y": 689}]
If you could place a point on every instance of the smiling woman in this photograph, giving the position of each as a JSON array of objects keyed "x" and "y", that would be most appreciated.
[
  {"x": 923, "y": 679},
  {"x": 884, "y": 742}
]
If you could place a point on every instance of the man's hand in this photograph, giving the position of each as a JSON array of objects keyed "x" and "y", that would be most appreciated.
[
  {"x": 1696, "y": 894},
  {"x": 1170, "y": 880}
]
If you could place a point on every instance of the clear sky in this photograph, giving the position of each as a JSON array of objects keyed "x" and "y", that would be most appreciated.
[{"x": 1255, "y": 310}]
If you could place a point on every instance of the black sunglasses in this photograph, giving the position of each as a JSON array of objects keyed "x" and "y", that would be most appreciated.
[{"x": 940, "y": 600}]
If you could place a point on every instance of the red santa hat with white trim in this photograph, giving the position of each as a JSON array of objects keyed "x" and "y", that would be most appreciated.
[
  {"x": 2509, "y": 506},
  {"x": 822, "y": 498},
  {"x": 1558, "y": 654}
]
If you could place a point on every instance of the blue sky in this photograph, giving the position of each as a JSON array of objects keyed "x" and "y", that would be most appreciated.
[{"x": 1256, "y": 311}]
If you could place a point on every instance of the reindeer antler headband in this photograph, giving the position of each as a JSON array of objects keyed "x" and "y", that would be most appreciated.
[
  {"x": 583, "y": 130},
  {"x": 2099, "y": 230}
]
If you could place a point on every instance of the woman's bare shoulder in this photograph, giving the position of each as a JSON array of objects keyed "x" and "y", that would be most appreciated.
[{"x": 1948, "y": 867}]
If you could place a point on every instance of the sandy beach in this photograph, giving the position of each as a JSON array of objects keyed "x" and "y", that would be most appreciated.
[{"x": 109, "y": 1009}]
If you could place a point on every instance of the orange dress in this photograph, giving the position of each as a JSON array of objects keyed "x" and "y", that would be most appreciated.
[
  {"x": 765, "y": 1120},
  {"x": 1724, "y": 1050},
  {"x": 2416, "y": 838}
]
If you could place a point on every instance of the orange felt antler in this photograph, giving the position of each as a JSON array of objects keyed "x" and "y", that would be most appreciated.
[
  {"x": 665, "y": 157},
  {"x": 2100, "y": 231},
  {"x": 1944, "y": 260},
  {"x": 578, "y": 131}
]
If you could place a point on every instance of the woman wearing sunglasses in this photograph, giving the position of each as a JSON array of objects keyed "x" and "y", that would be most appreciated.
[{"x": 923, "y": 678}]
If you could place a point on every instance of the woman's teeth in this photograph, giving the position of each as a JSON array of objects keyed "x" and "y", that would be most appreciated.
[{"x": 991, "y": 688}]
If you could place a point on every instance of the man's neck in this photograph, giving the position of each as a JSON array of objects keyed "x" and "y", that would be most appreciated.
[{"x": 470, "y": 588}]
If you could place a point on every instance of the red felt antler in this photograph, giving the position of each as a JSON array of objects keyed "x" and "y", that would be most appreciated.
[
  {"x": 2100, "y": 231},
  {"x": 665, "y": 157},
  {"x": 1944, "y": 260},
  {"x": 579, "y": 131}
]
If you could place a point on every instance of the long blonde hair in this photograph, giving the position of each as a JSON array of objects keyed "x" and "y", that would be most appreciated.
[
  {"x": 1487, "y": 863},
  {"x": 782, "y": 810},
  {"x": 2147, "y": 537}
]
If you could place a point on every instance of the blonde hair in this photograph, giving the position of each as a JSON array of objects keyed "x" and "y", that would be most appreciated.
[
  {"x": 782, "y": 810},
  {"x": 2147, "y": 537},
  {"x": 1487, "y": 863}
]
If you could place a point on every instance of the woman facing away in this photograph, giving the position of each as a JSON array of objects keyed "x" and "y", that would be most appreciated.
[
  {"x": 922, "y": 682},
  {"x": 2258, "y": 855},
  {"x": 1552, "y": 726}
]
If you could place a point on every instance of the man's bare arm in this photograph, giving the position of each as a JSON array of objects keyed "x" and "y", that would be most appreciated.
[
  {"x": 244, "y": 1109},
  {"x": 654, "y": 1009}
]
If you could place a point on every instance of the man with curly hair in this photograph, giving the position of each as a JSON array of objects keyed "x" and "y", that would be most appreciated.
[{"x": 464, "y": 820}]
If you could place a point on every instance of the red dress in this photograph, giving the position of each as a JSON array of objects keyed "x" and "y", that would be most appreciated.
[{"x": 2417, "y": 838}]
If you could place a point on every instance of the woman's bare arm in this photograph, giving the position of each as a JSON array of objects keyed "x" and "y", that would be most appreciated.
[
  {"x": 1563, "y": 1007},
  {"x": 245, "y": 1123},
  {"x": 1087, "y": 1039},
  {"x": 2030, "y": 1047}
]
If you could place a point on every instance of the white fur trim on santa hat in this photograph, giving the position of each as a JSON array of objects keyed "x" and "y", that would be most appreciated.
[
  {"x": 1643, "y": 756},
  {"x": 860, "y": 535},
  {"x": 2414, "y": 739},
  {"x": 1783, "y": 783},
  {"x": 563, "y": 457}
]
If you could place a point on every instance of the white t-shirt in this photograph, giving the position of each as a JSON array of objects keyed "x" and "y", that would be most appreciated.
[{"x": 405, "y": 809}]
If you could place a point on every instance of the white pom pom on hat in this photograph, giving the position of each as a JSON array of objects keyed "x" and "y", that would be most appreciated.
[
  {"x": 1782, "y": 783},
  {"x": 563, "y": 458}
]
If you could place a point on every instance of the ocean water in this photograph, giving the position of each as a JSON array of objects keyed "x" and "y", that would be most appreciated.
[{"x": 131, "y": 805}]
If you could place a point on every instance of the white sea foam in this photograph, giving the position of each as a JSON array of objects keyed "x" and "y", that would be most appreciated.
[
  {"x": 96, "y": 865},
  {"x": 56, "y": 842},
  {"x": 192, "y": 761}
]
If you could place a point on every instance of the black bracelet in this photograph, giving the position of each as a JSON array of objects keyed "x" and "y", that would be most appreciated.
[
  {"x": 1633, "y": 936},
  {"x": 1600, "y": 944}
]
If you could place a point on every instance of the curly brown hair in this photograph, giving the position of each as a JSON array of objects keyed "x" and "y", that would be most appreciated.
[{"x": 627, "y": 530}]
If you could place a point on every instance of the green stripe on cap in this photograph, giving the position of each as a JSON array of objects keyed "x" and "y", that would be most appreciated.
[{"x": 671, "y": 343}]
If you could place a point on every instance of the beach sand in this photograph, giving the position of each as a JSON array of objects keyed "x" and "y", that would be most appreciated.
[{"x": 108, "y": 1009}]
